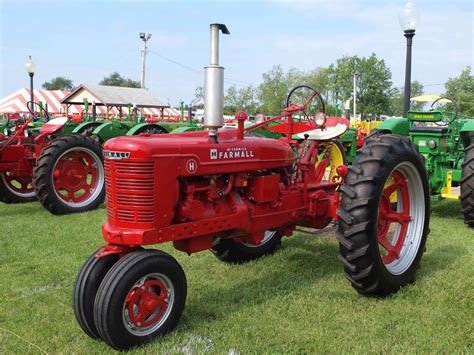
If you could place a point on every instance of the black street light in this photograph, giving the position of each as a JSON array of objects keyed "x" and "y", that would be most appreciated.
[
  {"x": 408, "y": 18},
  {"x": 30, "y": 68}
]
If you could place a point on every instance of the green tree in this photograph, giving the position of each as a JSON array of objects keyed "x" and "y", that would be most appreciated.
[
  {"x": 115, "y": 79},
  {"x": 273, "y": 90},
  {"x": 398, "y": 96},
  {"x": 373, "y": 84},
  {"x": 461, "y": 90},
  {"x": 243, "y": 99},
  {"x": 58, "y": 83}
]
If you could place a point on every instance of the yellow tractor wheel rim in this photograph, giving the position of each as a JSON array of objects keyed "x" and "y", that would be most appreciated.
[{"x": 333, "y": 152}]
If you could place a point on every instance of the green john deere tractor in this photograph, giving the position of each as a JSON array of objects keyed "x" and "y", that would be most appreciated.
[{"x": 446, "y": 140}]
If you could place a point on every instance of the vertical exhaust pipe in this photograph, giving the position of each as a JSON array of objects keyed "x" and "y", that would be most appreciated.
[{"x": 214, "y": 86}]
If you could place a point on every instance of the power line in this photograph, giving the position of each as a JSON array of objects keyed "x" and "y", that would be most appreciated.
[{"x": 197, "y": 71}]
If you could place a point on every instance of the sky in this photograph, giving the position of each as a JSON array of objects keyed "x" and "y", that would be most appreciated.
[{"x": 87, "y": 40}]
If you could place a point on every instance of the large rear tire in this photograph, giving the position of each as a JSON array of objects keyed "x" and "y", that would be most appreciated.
[
  {"x": 381, "y": 247},
  {"x": 467, "y": 185},
  {"x": 232, "y": 251},
  {"x": 141, "y": 298},
  {"x": 69, "y": 175}
]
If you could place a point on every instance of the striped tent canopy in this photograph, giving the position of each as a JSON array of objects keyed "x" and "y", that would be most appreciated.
[{"x": 17, "y": 103}]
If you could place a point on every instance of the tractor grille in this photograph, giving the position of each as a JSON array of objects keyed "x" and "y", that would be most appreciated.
[{"x": 130, "y": 189}]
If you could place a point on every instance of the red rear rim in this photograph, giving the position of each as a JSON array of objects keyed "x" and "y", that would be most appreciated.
[
  {"x": 393, "y": 223},
  {"x": 78, "y": 177},
  {"x": 19, "y": 185}
]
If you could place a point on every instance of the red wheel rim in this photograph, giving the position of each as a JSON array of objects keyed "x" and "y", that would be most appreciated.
[
  {"x": 147, "y": 304},
  {"x": 387, "y": 217},
  {"x": 19, "y": 185},
  {"x": 78, "y": 176}
]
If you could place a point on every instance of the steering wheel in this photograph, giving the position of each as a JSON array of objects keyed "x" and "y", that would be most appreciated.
[
  {"x": 305, "y": 96},
  {"x": 448, "y": 121},
  {"x": 31, "y": 107}
]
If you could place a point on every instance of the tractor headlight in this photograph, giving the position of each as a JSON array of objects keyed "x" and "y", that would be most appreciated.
[
  {"x": 26, "y": 133},
  {"x": 5, "y": 132},
  {"x": 320, "y": 119},
  {"x": 432, "y": 144}
]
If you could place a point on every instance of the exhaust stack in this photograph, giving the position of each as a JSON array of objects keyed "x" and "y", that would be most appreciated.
[{"x": 214, "y": 86}]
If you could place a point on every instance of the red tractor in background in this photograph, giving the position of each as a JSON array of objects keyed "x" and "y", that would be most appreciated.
[
  {"x": 65, "y": 173},
  {"x": 235, "y": 194}
]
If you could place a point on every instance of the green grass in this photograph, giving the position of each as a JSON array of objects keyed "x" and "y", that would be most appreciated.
[{"x": 295, "y": 301}]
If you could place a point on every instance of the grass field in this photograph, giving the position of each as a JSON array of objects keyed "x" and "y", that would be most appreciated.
[{"x": 296, "y": 301}]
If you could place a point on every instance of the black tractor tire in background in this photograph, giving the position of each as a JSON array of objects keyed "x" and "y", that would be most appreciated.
[
  {"x": 126, "y": 291},
  {"x": 85, "y": 289},
  {"x": 467, "y": 184},
  {"x": 44, "y": 174},
  {"x": 232, "y": 251},
  {"x": 362, "y": 204},
  {"x": 89, "y": 129},
  {"x": 151, "y": 130},
  {"x": 7, "y": 195}
]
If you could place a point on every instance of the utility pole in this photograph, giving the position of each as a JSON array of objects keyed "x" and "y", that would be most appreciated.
[
  {"x": 354, "y": 93},
  {"x": 144, "y": 37}
]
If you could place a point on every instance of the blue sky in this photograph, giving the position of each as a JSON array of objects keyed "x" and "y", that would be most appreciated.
[{"x": 87, "y": 40}]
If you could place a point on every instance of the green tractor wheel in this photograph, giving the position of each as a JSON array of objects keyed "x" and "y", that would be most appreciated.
[{"x": 467, "y": 185}]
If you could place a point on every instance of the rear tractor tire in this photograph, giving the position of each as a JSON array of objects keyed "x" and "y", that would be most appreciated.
[
  {"x": 141, "y": 298},
  {"x": 380, "y": 246},
  {"x": 467, "y": 185},
  {"x": 232, "y": 251},
  {"x": 69, "y": 175}
]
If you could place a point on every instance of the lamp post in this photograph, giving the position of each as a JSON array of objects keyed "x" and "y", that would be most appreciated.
[
  {"x": 408, "y": 17},
  {"x": 30, "y": 68},
  {"x": 144, "y": 37}
]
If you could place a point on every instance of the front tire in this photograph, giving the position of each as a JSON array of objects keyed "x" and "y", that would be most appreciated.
[
  {"x": 232, "y": 251},
  {"x": 85, "y": 290},
  {"x": 467, "y": 185},
  {"x": 381, "y": 248},
  {"x": 69, "y": 175},
  {"x": 141, "y": 298}
]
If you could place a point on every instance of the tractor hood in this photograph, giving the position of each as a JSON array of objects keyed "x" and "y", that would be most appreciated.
[{"x": 193, "y": 154}]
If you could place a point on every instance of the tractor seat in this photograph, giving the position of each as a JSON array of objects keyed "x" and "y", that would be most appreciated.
[
  {"x": 430, "y": 129},
  {"x": 334, "y": 127}
]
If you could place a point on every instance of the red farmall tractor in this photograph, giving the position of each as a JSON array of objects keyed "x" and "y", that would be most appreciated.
[
  {"x": 235, "y": 194},
  {"x": 65, "y": 172}
]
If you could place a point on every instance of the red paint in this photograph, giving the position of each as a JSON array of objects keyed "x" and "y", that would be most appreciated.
[
  {"x": 387, "y": 216},
  {"x": 75, "y": 177},
  {"x": 239, "y": 188},
  {"x": 146, "y": 304}
]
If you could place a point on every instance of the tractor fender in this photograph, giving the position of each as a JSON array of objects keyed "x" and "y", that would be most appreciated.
[
  {"x": 133, "y": 131},
  {"x": 186, "y": 129},
  {"x": 467, "y": 132},
  {"x": 400, "y": 126},
  {"x": 83, "y": 126},
  {"x": 51, "y": 127},
  {"x": 110, "y": 130}
]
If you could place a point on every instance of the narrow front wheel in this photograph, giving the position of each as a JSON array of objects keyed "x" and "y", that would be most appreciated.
[{"x": 141, "y": 298}]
